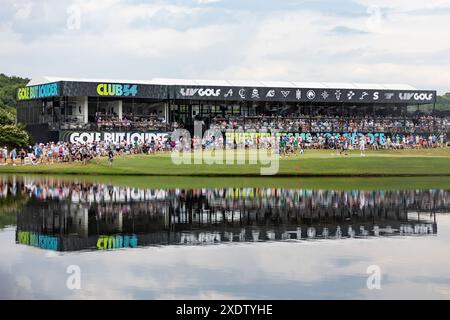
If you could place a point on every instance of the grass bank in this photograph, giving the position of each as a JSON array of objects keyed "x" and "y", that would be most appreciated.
[{"x": 314, "y": 163}]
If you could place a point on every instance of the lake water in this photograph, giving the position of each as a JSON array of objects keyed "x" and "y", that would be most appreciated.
[{"x": 128, "y": 242}]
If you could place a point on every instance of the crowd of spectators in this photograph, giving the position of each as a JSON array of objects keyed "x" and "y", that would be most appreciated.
[
  {"x": 61, "y": 151},
  {"x": 112, "y": 122},
  {"x": 284, "y": 144},
  {"x": 303, "y": 123},
  {"x": 294, "y": 135},
  {"x": 150, "y": 123}
]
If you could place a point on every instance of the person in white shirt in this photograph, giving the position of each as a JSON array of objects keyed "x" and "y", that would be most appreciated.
[{"x": 362, "y": 145}]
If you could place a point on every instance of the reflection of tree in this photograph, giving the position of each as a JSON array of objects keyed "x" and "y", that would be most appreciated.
[{"x": 9, "y": 207}]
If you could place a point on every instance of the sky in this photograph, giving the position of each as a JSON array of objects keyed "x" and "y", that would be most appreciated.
[{"x": 379, "y": 41}]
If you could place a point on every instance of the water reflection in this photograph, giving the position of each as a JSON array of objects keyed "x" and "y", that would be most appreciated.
[{"x": 70, "y": 216}]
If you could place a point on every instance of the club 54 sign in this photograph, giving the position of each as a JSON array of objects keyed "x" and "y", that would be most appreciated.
[{"x": 115, "y": 89}]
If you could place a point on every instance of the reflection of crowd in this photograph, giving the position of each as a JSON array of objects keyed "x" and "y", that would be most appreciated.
[
  {"x": 264, "y": 199},
  {"x": 326, "y": 200}
]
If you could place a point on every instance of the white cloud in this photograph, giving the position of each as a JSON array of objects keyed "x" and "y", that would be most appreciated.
[
  {"x": 207, "y": 1},
  {"x": 401, "y": 41},
  {"x": 407, "y": 5}
]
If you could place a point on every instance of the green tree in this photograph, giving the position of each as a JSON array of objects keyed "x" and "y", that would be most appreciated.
[
  {"x": 7, "y": 116},
  {"x": 13, "y": 136},
  {"x": 8, "y": 89}
]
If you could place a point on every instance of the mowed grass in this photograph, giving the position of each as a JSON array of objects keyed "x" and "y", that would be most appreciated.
[{"x": 428, "y": 162}]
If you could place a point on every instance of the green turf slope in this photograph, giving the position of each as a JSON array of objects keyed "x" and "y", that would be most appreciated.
[{"x": 434, "y": 162}]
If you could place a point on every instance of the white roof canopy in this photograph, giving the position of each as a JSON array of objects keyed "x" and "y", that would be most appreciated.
[{"x": 231, "y": 83}]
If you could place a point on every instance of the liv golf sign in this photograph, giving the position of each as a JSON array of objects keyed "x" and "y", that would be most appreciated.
[{"x": 115, "y": 137}]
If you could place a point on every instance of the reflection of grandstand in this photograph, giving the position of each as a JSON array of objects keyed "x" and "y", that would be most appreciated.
[{"x": 80, "y": 216}]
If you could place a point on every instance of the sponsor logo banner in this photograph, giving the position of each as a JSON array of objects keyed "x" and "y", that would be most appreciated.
[
  {"x": 117, "y": 90},
  {"x": 311, "y": 137},
  {"x": 303, "y": 95},
  {"x": 235, "y": 93},
  {"x": 416, "y": 96},
  {"x": 104, "y": 89},
  {"x": 38, "y": 92},
  {"x": 203, "y": 92},
  {"x": 115, "y": 137}
]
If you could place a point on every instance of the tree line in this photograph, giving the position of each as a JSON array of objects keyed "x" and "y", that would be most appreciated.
[{"x": 12, "y": 134}]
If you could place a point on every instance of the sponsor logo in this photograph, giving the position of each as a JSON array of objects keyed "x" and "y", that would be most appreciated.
[
  {"x": 416, "y": 96},
  {"x": 350, "y": 95},
  {"x": 376, "y": 95},
  {"x": 37, "y": 92},
  {"x": 423, "y": 96},
  {"x": 298, "y": 94},
  {"x": 388, "y": 96},
  {"x": 363, "y": 95},
  {"x": 229, "y": 93},
  {"x": 255, "y": 94},
  {"x": 189, "y": 92},
  {"x": 285, "y": 93},
  {"x": 324, "y": 95},
  {"x": 338, "y": 94},
  {"x": 116, "y": 137},
  {"x": 209, "y": 92},
  {"x": 114, "y": 89},
  {"x": 405, "y": 96},
  {"x": 242, "y": 93},
  {"x": 270, "y": 94},
  {"x": 310, "y": 94}
]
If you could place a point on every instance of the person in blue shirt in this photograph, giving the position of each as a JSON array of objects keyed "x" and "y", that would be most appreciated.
[{"x": 37, "y": 153}]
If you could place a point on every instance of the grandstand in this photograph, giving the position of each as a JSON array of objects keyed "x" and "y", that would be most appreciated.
[{"x": 57, "y": 109}]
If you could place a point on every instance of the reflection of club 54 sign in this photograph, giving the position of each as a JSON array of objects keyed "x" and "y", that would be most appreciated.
[
  {"x": 117, "y": 241},
  {"x": 416, "y": 96},
  {"x": 108, "y": 89},
  {"x": 37, "y": 92}
]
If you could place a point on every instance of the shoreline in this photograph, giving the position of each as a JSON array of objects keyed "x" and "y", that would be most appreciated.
[
  {"x": 312, "y": 164},
  {"x": 228, "y": 175},
  {"x": 186, "y": 182}
]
